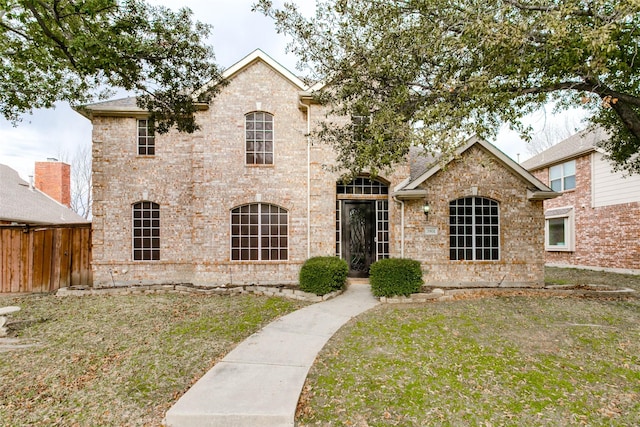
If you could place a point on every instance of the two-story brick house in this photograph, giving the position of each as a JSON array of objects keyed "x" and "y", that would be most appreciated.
[
  {"x": 249, "y": 197},
  {"x": 595, "y": 223}
]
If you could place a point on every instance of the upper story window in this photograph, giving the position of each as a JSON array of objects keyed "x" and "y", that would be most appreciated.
[
  {"x": 563, "y": 176},
  {"x": 146, "y": 138},
  {"x": 146, "y": 231},
  {"x": 259, "y": 138},
  {"x": 259, "y": 232},
  {"x": 474, "y": 229}
]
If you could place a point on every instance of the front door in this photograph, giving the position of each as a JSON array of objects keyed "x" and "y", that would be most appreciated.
[{"x": 358, "y": 235}]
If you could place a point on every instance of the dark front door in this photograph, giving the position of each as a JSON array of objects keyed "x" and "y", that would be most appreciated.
[{"x": 358, "y": 234}]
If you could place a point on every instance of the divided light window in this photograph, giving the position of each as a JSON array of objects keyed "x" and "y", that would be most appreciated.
[
  {"x": 474, "y": 229},
  {"x": 146, "y": 231},
  {"x": 259, "y": 232},
  {"x": 146, "y": 138},
  {"x": 259, "y": 138},
  {"x": 563, "y": 176}
]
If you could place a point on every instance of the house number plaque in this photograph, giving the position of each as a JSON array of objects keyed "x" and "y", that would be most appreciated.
[{"x": 431, "y": 231}]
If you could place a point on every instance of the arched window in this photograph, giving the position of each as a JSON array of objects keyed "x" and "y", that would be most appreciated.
[
  {"x": 259, "y": 232},
  {"x": 474, "y": 229},
  {"x": 146, "y": 231},
  {"x": 259, "y": 138}
]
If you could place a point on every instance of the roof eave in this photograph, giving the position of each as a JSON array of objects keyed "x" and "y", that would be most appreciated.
[
  {"x": 91, "y": 112},
  {"x": 541, "y": 195},
  {"x": 563, "y": 159},
  {"x": 409, "y": 194}
]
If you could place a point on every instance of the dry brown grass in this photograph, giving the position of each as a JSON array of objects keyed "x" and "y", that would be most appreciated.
[{"x": 118, "y": 360}]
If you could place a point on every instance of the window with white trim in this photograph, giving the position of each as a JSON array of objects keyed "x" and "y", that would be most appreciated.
[
  {"x": 563, "y": 176},
  {"x": 259, "y": 232},
  {"x": 559, "y": 233},
  {"x": 146, "y": 231},
  {"x": 146, "y": 138},
  {"x": 259, "y": 138},
  {"x": 474, "y": 229}
]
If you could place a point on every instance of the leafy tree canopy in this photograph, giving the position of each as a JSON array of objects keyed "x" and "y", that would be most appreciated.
[
  {"x": 433, "y": 72},
  {"x": 76, "y": 50}
]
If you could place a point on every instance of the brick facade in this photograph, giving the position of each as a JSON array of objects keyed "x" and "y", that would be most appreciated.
[
  {"x": 478, "y": 173},
  {"x": 198, "y": 179},
  {"x": 605, "y": 237}
]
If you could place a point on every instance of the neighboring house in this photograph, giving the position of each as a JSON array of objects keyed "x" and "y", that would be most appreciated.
[
  {"x": 595, "y": 223},
  {"x": 22, "y": 203},
  {"x": 248, "y": 198}
]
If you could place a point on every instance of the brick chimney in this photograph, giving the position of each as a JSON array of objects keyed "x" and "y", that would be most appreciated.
[{"x": 54, "y": 179}]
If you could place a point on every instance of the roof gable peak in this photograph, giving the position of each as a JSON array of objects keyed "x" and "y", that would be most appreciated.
[{"x": 259, "y": 55}]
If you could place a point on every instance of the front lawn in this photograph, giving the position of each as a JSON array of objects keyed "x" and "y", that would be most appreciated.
[
  {"x": 501, "y": 361},
  {"x": 117, "y": 360}
]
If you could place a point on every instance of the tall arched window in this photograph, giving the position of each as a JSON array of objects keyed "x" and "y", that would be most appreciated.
[
  {"x": 146, "y": 231},
  {"x": 259, "y": 232},
  {"x": 259, "y": 138},
  {"x": 474, "y": 229}
]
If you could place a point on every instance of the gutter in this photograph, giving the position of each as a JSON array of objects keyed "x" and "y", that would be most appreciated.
[{"x": 306, "y": 107}]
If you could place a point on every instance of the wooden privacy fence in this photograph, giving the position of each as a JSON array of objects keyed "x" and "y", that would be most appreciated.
[{"x": 44, "y": 259}]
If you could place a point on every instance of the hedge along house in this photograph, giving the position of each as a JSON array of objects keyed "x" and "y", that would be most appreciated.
[{"x": 249, "y": 197}]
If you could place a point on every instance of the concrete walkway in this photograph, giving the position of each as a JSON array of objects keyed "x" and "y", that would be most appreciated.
[{"x": 260, "y": 381}]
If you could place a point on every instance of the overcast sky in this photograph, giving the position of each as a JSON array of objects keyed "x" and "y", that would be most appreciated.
[{"x": 236, "y": 32}]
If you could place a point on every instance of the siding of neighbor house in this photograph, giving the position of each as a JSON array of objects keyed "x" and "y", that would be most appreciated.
[
  {"x": 607, "y": 226},
  {"x": 612, "y": 188},
  {"x": 198, "y": 179}
]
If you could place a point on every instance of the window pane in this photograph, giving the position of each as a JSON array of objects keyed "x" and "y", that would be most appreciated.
[
  {"x": 557, "y": 231},
  {"x": 570, "y": 182},
  {"x": 266, "y": 234},
  {"x": 570, "y": 168},
  {"x": 146, "y": 233},
  {"x": 555, "y": 172},
  {"x": 556, "y": 185},
  {"x": 474, "y": 229}
]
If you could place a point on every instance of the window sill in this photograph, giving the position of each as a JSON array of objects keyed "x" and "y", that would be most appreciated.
[
  {"x": 271, "y": 165},
  {"x": 557, "y": 249},
  {"x": 247, "y": 261}
]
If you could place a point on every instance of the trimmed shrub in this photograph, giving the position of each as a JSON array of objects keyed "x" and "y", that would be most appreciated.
[
  {"x": 324, "y": 274},
  {"x": 395, "y": 276}
]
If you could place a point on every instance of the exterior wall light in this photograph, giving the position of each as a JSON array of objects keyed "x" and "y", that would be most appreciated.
[{"x": 426, "y": 208}]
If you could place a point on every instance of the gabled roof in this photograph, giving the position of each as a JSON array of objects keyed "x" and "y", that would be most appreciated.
[
  {"x": 429, "y": 166},
  {"x": 259, "y": 55},
  {"x": 126, "y": 107},
  {"x": 21, "y": 203},
  {"x": 575, "y": 146}
]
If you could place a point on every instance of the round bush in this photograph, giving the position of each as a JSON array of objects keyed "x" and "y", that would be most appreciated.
[
  {"x": 395, "y": 276},
  {"x": 322, "y": 275}
]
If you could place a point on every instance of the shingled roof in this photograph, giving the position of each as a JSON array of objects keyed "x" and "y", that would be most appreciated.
[
  {"x": 575, "y": 146},
  {"x": 23, "y": 204}
]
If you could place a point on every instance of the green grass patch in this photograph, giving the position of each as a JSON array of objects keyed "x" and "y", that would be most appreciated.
[{"x": 495, "y": 361}]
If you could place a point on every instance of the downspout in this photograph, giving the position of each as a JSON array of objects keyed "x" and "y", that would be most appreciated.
[
  {"x": 301, "y": 104},
  {"x": 395, "y": 198}
]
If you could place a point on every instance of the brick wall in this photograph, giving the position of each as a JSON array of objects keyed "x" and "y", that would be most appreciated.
[
  {"x": 54, "y": 179},
  {"x": 605, "y": 237},
  {"x": 477, "y": 172},
  {"x": 197, "y": 179}
]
